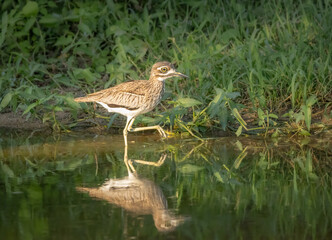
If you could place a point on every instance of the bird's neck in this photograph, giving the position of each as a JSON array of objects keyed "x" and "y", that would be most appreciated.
[
  {"x": 158, "y": 86},
  {"x": 156, "y": 78}
]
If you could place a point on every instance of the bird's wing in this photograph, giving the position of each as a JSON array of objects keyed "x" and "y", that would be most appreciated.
[{"x": 127, "y": 95}]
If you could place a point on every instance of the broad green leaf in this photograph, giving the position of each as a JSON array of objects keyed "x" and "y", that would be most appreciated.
[
  {"x": 57, "y": 109},
  {"x": 260, "y": 113},
  {"x": 219, "y": 96},
  {"x": 305, "y": 133},
  {"x": 30, "y": 8},
  {"x": 238, "y": 131},
  {"x": 50, "y": 19},
  {"x": 228, "y": 34},
  {"x": 31, "y": 106},
  {"x": 28, "y": 24},
  {"x": 6, "y": 100},
  {"x": 273, "y": 116},
  {"x": 188, "y": 102},
  {"x": 311, "y": 101},
  {"x": 298, "y": 117},
  {"x": 307, "y": 115},
  {"x": 63, "y": 41},
  {"x": 84, "y": 28},
  {"x": 84, "y": 74}
]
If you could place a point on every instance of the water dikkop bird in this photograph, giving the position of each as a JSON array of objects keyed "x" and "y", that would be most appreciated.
[{"x": 137, "y": 97}]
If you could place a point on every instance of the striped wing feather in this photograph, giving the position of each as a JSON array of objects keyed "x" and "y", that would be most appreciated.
[{"x": 127, "y": 94}]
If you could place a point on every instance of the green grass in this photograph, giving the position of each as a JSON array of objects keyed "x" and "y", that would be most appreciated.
[{"x": 276, "y": 54}]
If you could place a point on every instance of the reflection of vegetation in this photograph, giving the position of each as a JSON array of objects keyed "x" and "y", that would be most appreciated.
[
  {"x": 256, "y": 188},
  {"x": 283, "y": 193}
]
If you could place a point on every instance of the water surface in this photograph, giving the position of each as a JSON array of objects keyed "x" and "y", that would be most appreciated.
[{"x": 90, "y": 187}]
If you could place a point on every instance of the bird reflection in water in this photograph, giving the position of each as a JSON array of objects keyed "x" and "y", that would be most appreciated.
[{"x": 138, "y": 195}]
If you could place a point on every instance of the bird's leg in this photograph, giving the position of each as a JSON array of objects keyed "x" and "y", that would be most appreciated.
[
  {"x": 156, "y": 127},
  {"x": 130, "y": 121}
]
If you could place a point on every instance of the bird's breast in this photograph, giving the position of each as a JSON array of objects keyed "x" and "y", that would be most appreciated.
[{"x": 154, "y": 95}]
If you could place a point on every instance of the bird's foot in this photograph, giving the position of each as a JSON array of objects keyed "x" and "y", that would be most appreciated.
[{"x": 162, "y": 132}]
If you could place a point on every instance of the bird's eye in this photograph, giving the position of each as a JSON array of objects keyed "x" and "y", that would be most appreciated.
[{"x": 163, "y": 69}]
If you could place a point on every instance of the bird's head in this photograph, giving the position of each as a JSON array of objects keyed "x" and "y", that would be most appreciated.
[{"x": 162, "y": 70}]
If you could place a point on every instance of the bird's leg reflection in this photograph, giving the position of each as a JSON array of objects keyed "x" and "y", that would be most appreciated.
[
  {"x": 129, "y": 163},
  {"x": 138, "y": 195},
  {"x": 131, "y": 168}
]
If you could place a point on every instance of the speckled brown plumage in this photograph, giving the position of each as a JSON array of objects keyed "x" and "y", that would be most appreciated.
[
  {"x": 140, "y": 94},
  {"x": 135, "y": 97}
]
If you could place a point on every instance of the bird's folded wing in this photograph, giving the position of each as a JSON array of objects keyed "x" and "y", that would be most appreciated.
[
  {"x": 123, "y": 99},
  {"x": 126, "y": 95}
]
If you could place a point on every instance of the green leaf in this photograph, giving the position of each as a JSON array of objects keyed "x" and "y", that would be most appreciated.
[
  {"x": 298, "y": 117},
  {"x": 31, "y": 106},
  {"x": 84, "y": 28},
  {"x": 30, "y": 9},
  {"x": 84, "y": 74},
  {"x": 28, "y": 25},
  {"x": 238, "y": 131},
  {"x": 260, "y": 113},
  {"x": 304, "y": 133},
  {"x": 311, "y": 101},
  {"x": 63, "y": 41},
  {"x": 50, "y": 19},
  {"x": 228, "y": 34},
  {"x": 273, "y": 116},
  {"x": 188, "y": 102},
  {"x": 219, "y": 96},
  {"x": 57, "y": 109},
  {"x": 307, "y": 115},
  {"x": 5, "y": 101}
]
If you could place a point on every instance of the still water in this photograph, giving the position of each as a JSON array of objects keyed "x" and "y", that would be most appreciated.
[{"x": 91, "y": 187}]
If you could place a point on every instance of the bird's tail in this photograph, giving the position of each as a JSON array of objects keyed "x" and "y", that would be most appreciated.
[{"x": 82, "y": 99}]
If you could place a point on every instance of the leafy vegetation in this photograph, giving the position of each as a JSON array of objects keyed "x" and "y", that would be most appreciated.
[{"x": 250, "y": 64}]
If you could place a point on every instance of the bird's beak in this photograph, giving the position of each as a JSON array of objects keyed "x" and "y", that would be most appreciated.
[{"x": 180, "y": 75}]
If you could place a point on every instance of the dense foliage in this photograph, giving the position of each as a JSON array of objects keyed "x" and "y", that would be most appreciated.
[{"x": 267, "y": 58}]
